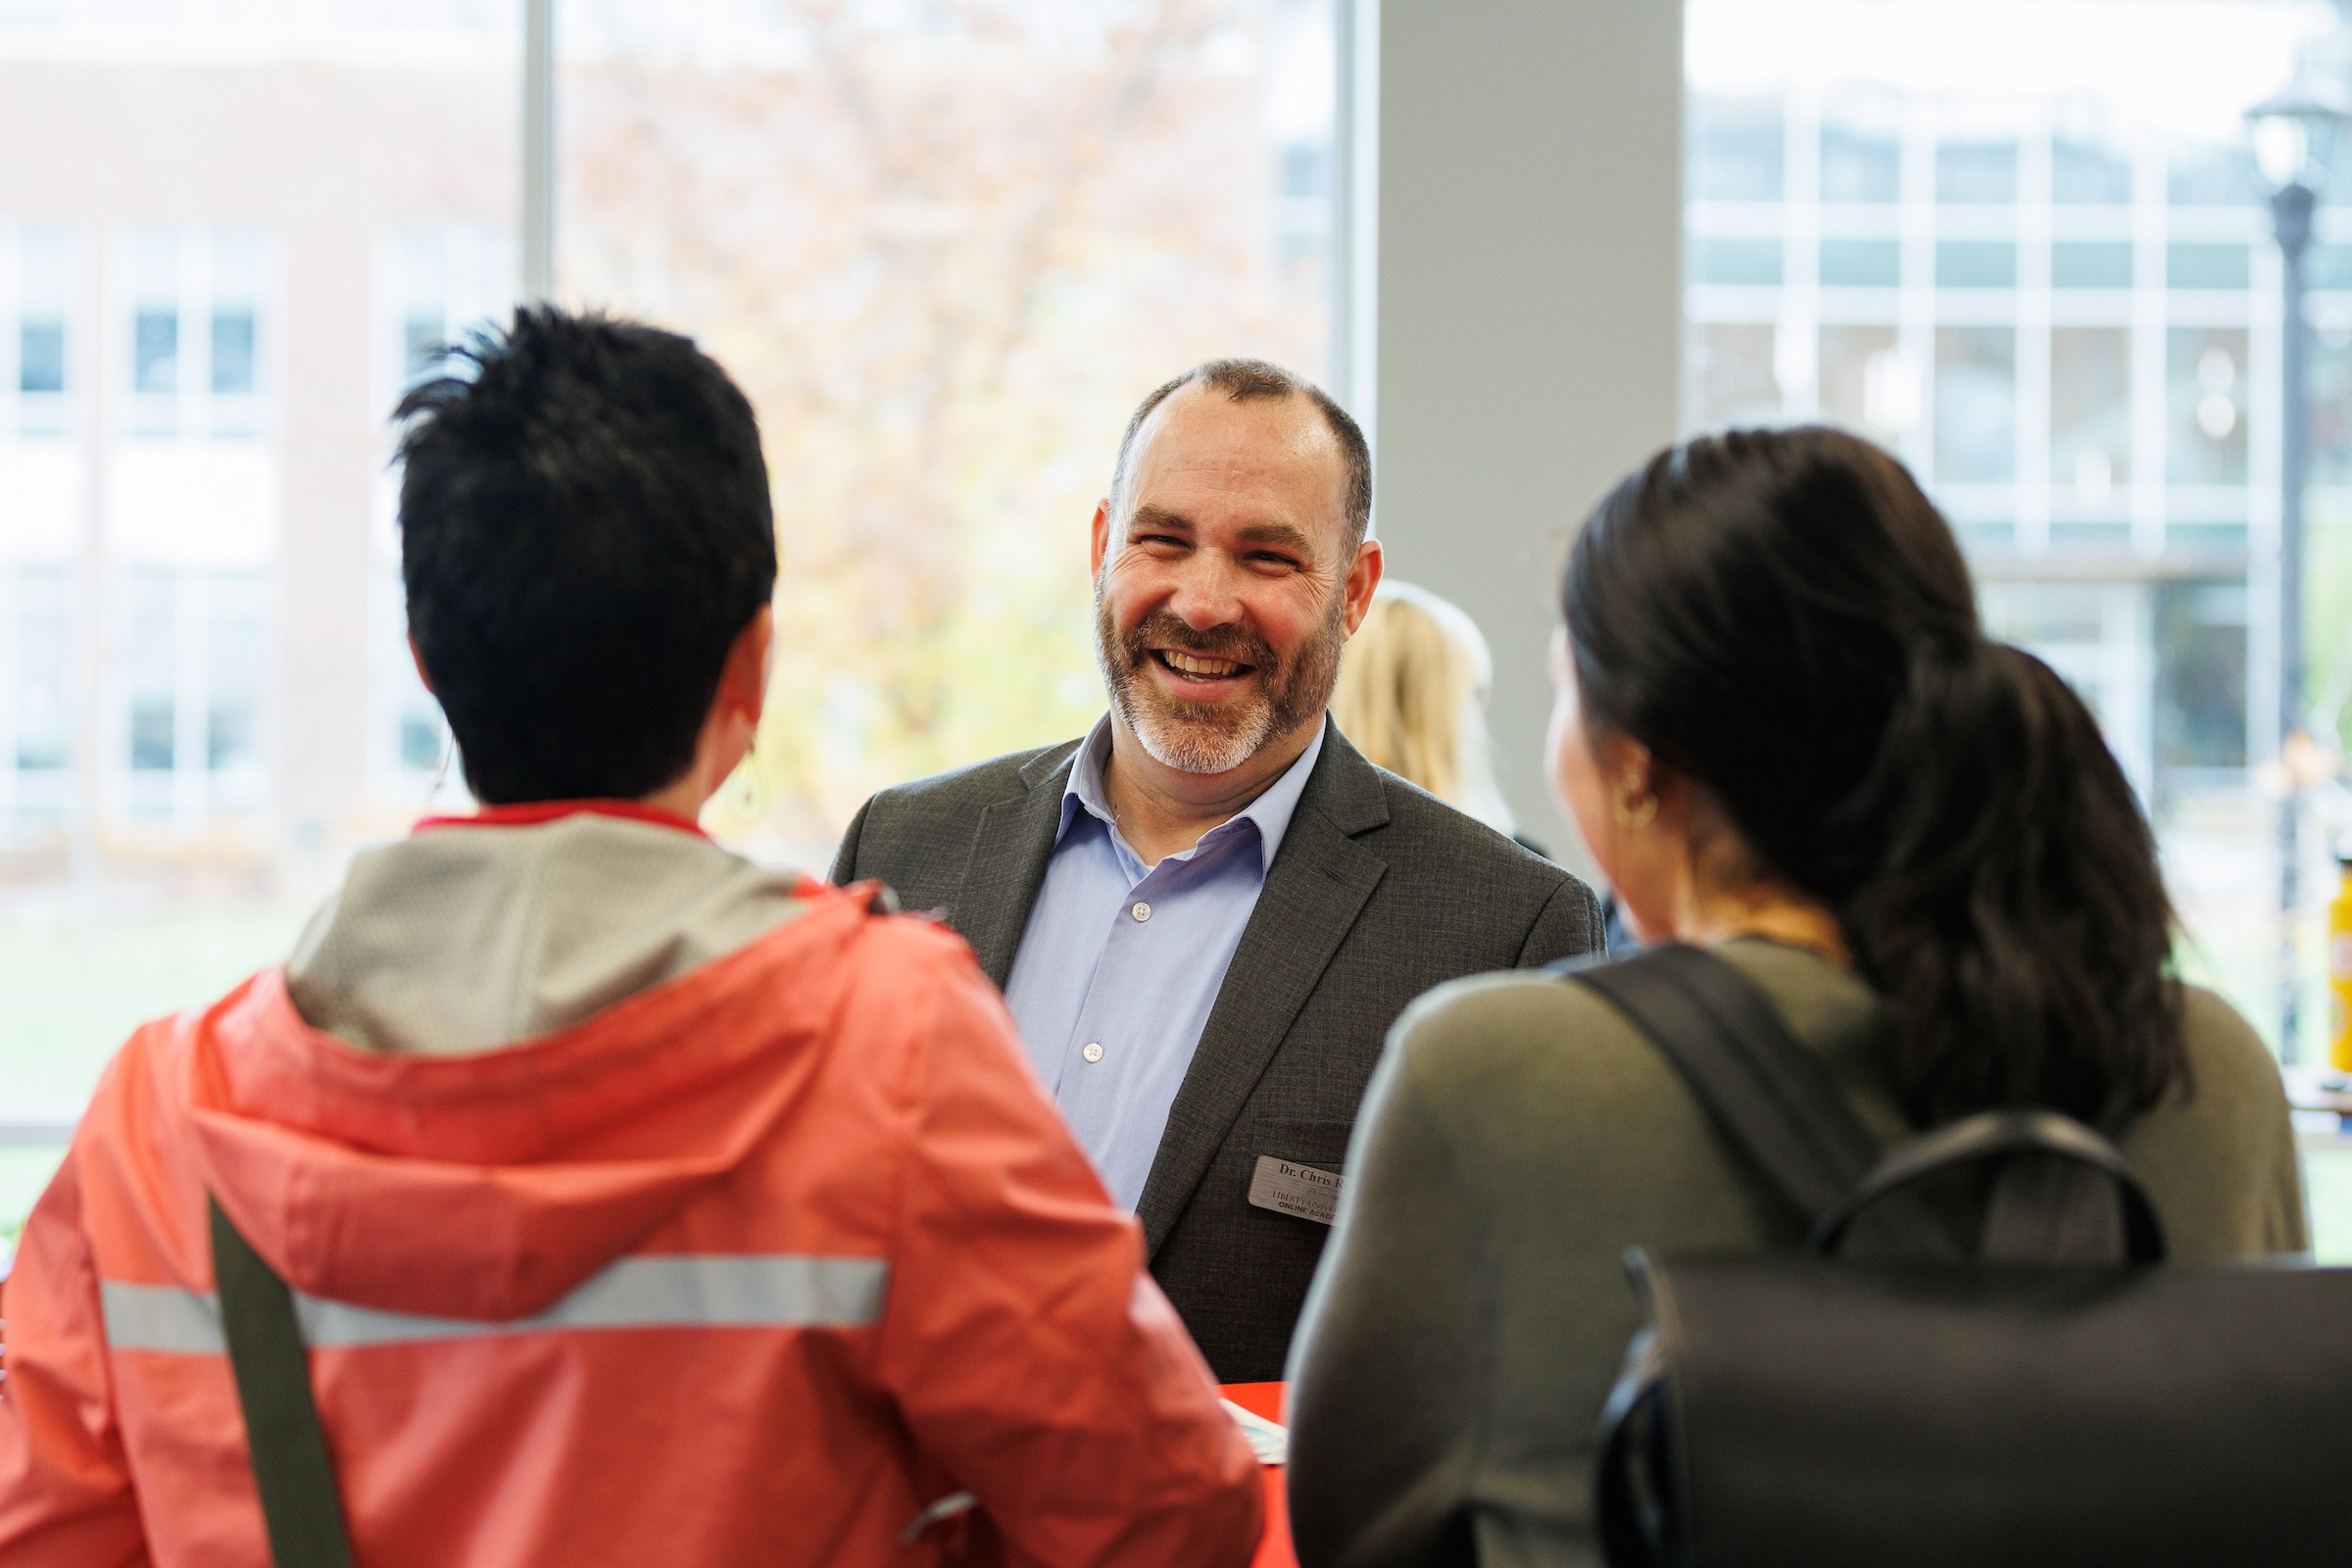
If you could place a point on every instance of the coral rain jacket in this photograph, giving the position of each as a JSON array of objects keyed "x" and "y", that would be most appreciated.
[{"x": 752, "y": 1268}]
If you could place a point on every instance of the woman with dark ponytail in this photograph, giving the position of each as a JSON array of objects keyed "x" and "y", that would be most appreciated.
[{"x": 1785, "y": 737}]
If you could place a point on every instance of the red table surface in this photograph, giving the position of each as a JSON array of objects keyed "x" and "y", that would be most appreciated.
[{"x": 1274, "y": 1551}]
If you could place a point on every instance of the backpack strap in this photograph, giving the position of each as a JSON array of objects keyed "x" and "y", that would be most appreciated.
[
  {"x": 1767, "y": 1095},
  {"x": 291, "y": 1467}
]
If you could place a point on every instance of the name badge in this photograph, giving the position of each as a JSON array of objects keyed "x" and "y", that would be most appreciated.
[{"x": 1300, "y": 1189}]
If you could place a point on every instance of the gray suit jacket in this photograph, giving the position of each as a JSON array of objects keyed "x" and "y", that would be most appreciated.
[{"x": 1379, "y": 892}]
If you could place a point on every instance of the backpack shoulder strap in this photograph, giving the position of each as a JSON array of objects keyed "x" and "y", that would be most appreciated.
[
  {"x": 1765, "y": 1093},
  {"x": 291, "y": 1468}
]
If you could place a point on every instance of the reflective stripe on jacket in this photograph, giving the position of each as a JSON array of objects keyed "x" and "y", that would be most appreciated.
[{"x": 757, "y": 1265}]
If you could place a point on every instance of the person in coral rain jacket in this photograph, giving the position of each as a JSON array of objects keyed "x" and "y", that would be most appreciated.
[{"x": 631, "y": 1203}]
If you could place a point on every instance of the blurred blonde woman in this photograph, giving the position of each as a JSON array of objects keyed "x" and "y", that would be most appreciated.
[{"x": 1412, "y": 696}]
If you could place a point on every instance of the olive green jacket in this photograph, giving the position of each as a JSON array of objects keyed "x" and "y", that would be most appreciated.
[{"x": 1472, "y": 1309}]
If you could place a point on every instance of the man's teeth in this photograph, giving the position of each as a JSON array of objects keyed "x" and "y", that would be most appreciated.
[{"x": 1203, "y": 669}]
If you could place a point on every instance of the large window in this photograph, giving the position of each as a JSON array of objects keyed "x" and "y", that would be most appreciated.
[
  {"x": 41, "y": 330},
  {"x": 191, "y": 438},
  {"x": 433, "y": 285},
  {"x": 2045, "y": 280},
  {"x": 944, "y": 249},
  {"x": 2025, "y": 243}
]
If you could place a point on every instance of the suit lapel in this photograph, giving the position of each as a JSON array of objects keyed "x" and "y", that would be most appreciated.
[
  {"x": 1313, "y": 892},
  {"x": 1010, "y": 849}
]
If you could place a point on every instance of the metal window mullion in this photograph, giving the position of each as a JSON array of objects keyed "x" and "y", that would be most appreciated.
[
  {"x": 1356, "y": 213},
  {"x": 538, "y": 151}
]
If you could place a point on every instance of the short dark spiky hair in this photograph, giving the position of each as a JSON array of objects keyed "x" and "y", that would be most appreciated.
[
  {"x": 1247, "y": 381},
  {"x": 585, "y": 530}
]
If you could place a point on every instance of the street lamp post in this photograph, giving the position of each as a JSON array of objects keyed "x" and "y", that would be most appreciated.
[{"x": 2295, "y": 131}]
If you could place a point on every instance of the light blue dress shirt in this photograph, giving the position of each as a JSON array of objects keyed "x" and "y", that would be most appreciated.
[{"x": 1120, "y": 964}]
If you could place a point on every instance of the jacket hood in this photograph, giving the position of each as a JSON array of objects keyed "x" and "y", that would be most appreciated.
[{"x": 485, "y": 1187}]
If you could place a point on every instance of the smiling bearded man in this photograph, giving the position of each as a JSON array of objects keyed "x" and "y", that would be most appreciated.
[
  {"x": 1195, "y": 735},
  {"x": 1206, "y": 914}
]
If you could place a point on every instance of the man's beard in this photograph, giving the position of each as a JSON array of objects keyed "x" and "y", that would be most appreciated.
[{"x": 1215, "y": 737}]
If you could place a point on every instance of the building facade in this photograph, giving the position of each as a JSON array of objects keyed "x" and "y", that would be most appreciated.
[{"x": 2067, "y": 326}]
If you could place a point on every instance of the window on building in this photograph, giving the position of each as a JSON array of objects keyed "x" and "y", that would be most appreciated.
[
  {"x": 1859, "y": 164},
  {"x": 2090, "y": 414},
  {"x": 2203, "y": 265},
  {"x": 2205, "y": 173},
  {"x": 2087, "y": 173},
  {"x": 1867, "y": 383},
  {"x": 2327, "y": 266},
  {"x": 2201, "y": 675},
  {"x": 233, "y": 672},
  {"x": 1737, "y": 262},
  {"x": 192, "y": 485},
  {"x": 1302, "y": 231},
  {"x": 42, "y": 709},
  {"x": 154, "y": 350},
  {"x": 233, "y": 348},
  {"x": 1975, "y": 404},
  {"x": 1976, "y": 263},
  {"x": 2330, "y": 371},
  {"x": 35, "y": 709},
  {"x": 153, "y": 739},
  {"x": 1861, "y": 264},
  {"x": 196, "y": 330},
  {"x": 41, "y": 476},
  {"x": 1733, "y": 380},
  {"x": 2205, "y": 403},
  {"x": 1736, "y": 150},
  {"x": 41, "y": 355},
  {"x": 435, "y": 286},
  {"x": 155, "y": 311},
  {"x": 45, "y": 312},
  {"x": 196, "y": 676},
  {"x": 2091, "y": 263},
  {"x": 1975, "y": 172}
]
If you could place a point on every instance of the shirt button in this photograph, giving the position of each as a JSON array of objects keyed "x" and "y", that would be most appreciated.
[
  {"x": 1142, "y": 910},
  {"x": 1091, "y": 1052}
]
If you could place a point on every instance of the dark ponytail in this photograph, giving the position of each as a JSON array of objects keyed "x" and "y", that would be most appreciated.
[{"x": 1784, "y": 617}]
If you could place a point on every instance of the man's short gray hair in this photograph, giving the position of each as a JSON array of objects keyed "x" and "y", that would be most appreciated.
[{"x": 1247, "y": 381}]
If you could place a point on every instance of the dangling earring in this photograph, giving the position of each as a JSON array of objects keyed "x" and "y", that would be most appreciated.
[{"x": 1636, "y": 817}]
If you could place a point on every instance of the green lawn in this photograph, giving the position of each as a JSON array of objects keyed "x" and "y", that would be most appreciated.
[
  {"x": 2327, "y": 1181},
  {"x": 74, "y": 983}
]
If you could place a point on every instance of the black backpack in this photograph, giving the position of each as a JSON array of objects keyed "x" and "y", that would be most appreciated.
[{"x": 2047, "y": 1395}]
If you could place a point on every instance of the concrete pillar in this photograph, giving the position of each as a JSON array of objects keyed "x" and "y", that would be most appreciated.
[{"x": 1518, "y": 318}]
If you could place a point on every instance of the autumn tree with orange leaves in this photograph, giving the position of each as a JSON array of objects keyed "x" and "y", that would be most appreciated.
[{"x": 944, "y": 249}]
